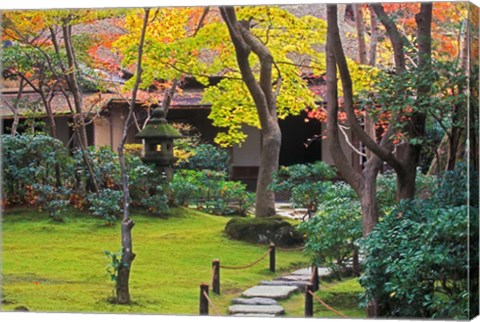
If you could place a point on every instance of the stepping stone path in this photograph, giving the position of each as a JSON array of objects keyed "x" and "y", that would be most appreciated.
[{"x": 261, "y": 300}]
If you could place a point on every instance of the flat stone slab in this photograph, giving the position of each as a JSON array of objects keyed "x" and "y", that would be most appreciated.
[
  {"x": 256, "y": 309},
  {"x": 294, "y": 278},
  {"x": 254, "y": 301},
  {"x": 322, "y": 271},
  {"x": 301, "y": 285},
  {"x": 274, "y": 292}
]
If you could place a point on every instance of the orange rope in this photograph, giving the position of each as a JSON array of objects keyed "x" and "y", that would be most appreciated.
[
  {"x": 292, "y": 249},
  {"x": 211, "y": 303},
  {"x": 213, "y": 273},
  {"x": 328, "y": 307},
  {"x": 249, "y": 265}
]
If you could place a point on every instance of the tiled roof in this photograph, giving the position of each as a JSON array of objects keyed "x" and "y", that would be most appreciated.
[{"x": 92, "y": 102}]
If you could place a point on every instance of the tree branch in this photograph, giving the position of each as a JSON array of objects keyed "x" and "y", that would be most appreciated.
[{"x": 351, "y": 175}]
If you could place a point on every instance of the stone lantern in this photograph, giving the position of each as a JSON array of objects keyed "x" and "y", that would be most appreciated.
[{"x": 158, "y": 138}]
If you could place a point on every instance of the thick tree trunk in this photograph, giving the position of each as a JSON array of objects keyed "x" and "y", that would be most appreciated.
[
  {"x": 368, "y": 199},
  {"x": 265, "y": 198},
  {"x": 416, "y": 126},
  {"x": 262, "y": 94}
]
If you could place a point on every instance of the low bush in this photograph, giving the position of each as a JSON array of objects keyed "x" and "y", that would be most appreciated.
[
  {"x": 106, "y": 205},
  {"x": 332, "y": 234},
  {"x": 211, "y": 191},
  {"x": 263, "y": 231},
  {"x": 206, "y": 157},
  {"x": 51, "y": 199},
  {"x": 306, "y": 183},
  {"x": 30, "y": 159}
]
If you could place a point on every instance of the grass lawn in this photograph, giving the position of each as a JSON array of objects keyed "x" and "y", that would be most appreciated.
[{"x": 61, "y": 267}]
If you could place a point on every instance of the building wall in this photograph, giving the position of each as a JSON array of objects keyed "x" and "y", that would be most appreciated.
[
  {"x": 102, "y": 132},
  {"x": 248, "y": 154},
  {"x": 109, "y": 128}
]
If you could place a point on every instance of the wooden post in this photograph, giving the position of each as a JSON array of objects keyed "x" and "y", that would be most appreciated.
[
  {"x": 315, "y": 279},
  {"x": 272, "y": 257},
  {"x": 203, "y": 299},
  {"x": 216, "y": 276},
  {"x": 308, "y": 302}
]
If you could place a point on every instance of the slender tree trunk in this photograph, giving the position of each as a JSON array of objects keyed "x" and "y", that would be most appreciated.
[
  {"x": 373, "y": 38},
  {"x": 362, "y": 47},
  {"x": 123, "y": 276},
  {"x": 456, "y": 133},
  {"x": 78, "y": 119}
]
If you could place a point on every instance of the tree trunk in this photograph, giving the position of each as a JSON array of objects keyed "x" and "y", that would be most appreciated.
[
  {"x": 78, "y": 119},
  {"x": 373, "y": 38},
  {"x": 416, "y": 126},
  {"x": 123, "y": 276},
  {"x": 368, "y": 199},
  {"x": 362, "y": 47},
  {"x": 265, "y": 198},
  {"x": 262, "y": 93}
]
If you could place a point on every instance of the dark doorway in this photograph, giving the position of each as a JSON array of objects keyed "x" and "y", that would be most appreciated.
[{"x": 295, "y": 133}]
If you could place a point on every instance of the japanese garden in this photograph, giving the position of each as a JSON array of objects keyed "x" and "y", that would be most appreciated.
[{"x": 310, "y": 160}]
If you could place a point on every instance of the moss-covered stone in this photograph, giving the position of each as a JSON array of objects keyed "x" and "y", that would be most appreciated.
[
  {"x": 159, "y": 131},
  {"x": 263, "y": 231}
]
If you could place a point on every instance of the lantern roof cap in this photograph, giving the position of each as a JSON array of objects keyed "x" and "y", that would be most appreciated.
[{"x": 158, "y": 127}]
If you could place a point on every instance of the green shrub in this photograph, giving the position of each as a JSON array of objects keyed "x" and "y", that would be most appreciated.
[
  {"x": 104, "y": 163},
  {"x": 263, "y": 231},
  {"x": 29, "y": 159},
  {"x": 206, "y": 157},
  {"x": 51, "y": 199},
  {"x": 106, "y": 205},
  {"x": 305, "y": 182},
  {"x": 332, "y": 234},
  {"x": 417, "y": 256},
  {"x": 210, "y": 191},
  {"x": 157, "y": 202}
]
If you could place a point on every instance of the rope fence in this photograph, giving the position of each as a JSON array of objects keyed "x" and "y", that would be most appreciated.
[
  {"x": 216, "y": 267},
  {"x": 248, "y": 265},
  {"x": 211, "y": 303},
  {"x": 309, "y": 305}
]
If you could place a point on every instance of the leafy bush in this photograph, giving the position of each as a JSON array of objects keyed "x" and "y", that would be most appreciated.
[
  {"x": 105, "y": 165},
  {"x": 206, "y": 157},
  {"x": 211, "y": 191},
  {"x": 51, "y": 199},
  {"x": 287, "y": 177},
  {"x": 106, "y": 204},
  {"x": 29, "y": 159},
  {"x": 417, "y": 256},
  {"x": 332, "y": 234},
  {"x": 305, "y": 182},
  {"x": 157, "y": 202},
  {"x": 263, "y": 231}
]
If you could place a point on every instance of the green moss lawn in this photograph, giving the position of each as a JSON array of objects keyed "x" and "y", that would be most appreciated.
[{"x": 61, "y": 267}]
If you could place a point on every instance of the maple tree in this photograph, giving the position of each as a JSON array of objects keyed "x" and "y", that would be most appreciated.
[
  {"x": 209, "y": 51},
  {"x": 45, "y": 55}
]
